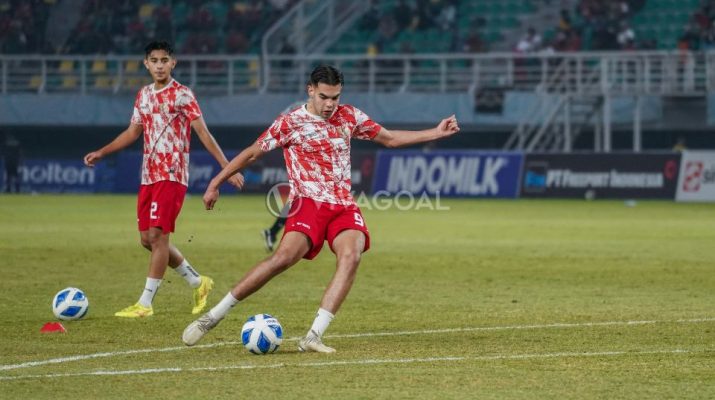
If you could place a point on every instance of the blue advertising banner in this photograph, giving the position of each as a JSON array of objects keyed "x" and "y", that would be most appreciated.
[
  {"x": 62, "y": 176},
  {"x": 121, "y": 173},
  {"x": 259, "y": 177},
  {"x": 448, "y": 173},
  {"x": 597, "y": 175}
]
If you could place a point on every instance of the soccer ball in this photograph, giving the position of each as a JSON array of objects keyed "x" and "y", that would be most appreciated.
[
  {"x": 262, "y": 334},
  {"x": 70, "y": 304}
]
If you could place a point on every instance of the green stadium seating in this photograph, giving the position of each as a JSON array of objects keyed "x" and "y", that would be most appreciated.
[{"x": 500, "y": 17}]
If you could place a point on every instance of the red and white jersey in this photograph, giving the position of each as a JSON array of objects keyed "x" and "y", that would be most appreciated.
[
  {"x": 166, "y": 115},
  {"x": 317, "y": 151}
]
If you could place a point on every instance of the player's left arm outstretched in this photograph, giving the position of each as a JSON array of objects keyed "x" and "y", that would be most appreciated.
[
  {"x": 389, "y": 138},
  {"x": 245, "y": 158},
  {"x": 124, "y": 139},
  {"x": 209, "y": 142}
]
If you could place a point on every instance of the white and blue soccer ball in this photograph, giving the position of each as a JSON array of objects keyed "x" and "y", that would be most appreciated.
[
  {"x": 262, "y": 334},
  {"x": 70, "y": 304}
]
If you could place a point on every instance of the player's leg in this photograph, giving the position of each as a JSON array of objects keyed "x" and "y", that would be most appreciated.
[
  {"x": 201, "y": 284},
  {"x": 177, "y": 262},
  {"x": 348, "y": 246},
  {"x": 158, "y": 207},
  {"x": 170, "y": 197},
  {"x": 144, "y": 205},
  {"x": 348, "y": 237},
  {"x": 291, "y": 249},
  {"x": 158, "y": 242}
]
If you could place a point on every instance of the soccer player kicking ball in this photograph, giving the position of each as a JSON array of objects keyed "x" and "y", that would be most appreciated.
[
  {"x": 316, "y": 143},
  {"x": 165, "y": 111}
]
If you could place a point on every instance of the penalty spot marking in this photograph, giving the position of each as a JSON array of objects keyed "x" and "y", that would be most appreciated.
[
  {"x": 61, "y": 360},
  {"x": 354, "y": 362}
]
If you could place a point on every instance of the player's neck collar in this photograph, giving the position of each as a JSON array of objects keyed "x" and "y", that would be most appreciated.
[
  {"x": 155, "y": 90},
  {"x": 310, "y": 114}
]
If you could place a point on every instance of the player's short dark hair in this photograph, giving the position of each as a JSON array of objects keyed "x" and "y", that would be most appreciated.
[
  {"x": 159, "y": 45},
  {"x": 326, "y": 74}
]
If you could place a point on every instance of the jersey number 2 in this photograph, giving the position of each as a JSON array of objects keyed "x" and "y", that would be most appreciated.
[{"x": 154, "y": 207}]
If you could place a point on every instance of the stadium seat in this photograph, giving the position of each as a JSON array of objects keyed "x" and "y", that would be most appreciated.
[
  {"x": 135, "y": 82},
  {"x": 66, "y": 67},
  {"x": 35, "y": 82},
  {"x": 131, "y": 66},
  {"x": 99, "y": 66},
  {"x": 69, "y": 82},
  {"x": 104, "y": 82},
  {"x": 146, "y": 11}
]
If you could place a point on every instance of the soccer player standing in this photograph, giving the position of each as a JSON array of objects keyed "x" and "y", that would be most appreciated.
[
  {"x": 165, "y": 111},
  {"x": 316, "y": 145}
]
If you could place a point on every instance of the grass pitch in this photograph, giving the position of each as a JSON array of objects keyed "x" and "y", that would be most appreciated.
[{"x": 489, "y": 299}]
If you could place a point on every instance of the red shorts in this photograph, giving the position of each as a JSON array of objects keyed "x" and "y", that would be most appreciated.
[
  {"x": 159, "y": 204},
  {"x": 323, "y": 221}
]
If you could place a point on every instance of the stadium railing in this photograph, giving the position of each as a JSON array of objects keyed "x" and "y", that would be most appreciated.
[{"x": 672, "y": 73}]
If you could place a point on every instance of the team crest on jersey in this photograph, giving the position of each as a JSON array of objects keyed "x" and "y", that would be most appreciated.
[{"x": 164, "y": 108}]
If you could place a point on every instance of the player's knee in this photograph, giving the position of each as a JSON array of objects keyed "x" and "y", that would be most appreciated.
[
  {"x": 283, "y": 260},
  {"x": 152, "y": 240},
  {"x": 349, "y": 258},
  {"x": 145, "y": 243}
]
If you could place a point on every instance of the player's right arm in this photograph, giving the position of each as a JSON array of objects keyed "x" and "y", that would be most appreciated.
[
  {"x": 245, "y": 158},
  {"x": 124, "y": 139}
]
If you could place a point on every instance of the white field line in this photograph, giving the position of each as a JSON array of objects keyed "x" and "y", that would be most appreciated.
[
  {"x": 61, "y": 360},
  {"x": 105, "y": 372}
]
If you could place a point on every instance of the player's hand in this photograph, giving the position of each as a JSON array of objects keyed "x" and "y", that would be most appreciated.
[
  {"x": 92, "y": 158},
  {"x": 237, "y": 180},
  {"x": 448, "y": 126},
  {"x": 210, "y": 198}
]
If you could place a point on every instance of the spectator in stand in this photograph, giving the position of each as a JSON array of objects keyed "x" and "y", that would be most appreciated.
[
  {"x": 200, "y": 43},
  {"x": 116, "y": 27},
  {"x": 626, "y": 37},
  {"x": 403, "y": 15},
  {"x": 136, "y": 33},
  {"x": 530, "y": 42},
  {"x": 163, "y": 25},
  {"x": 371, "y": 19},
  {"x": 690, "y": 39},
  {"x": 709, "y": 38},
  {"x": 235, "y": 16},
  {"x": 22, "y": 27},
  {"x": 236, "y": 42},
  {"x": 622, "y": 9},
  {"x": 565, "y": 41},
  {"x": 565, "y": 20},
  {"x": 199, "y": 19},
  {"x": 387, "y": 30},
  {"x": 701, "y": 19},
  {"x": 447, "y": 17},
  {"x": 474, "y": 43},
  {"x": 252, "y": 18},
  {"x": 16, "y": 40}
]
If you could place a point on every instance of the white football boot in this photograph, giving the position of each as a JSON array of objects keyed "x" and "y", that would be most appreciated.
[
  {"x": 197, "y": 329},
  {"x": 311, "y": 342}
]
